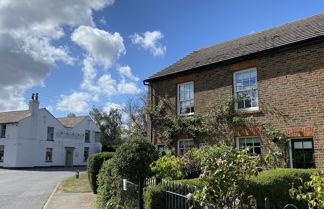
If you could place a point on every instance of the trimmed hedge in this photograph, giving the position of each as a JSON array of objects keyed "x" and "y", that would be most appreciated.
[
  {"x": 93, "y": 166},
  {"x": 274, "y": 184},
  {"x": 154, "y": 196}
]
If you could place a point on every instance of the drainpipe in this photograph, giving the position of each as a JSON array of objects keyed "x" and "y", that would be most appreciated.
[{"x": 146, "y": 83}]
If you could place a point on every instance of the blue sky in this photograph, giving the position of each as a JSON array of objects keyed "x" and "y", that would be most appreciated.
[{"x": 77, "y": 53}]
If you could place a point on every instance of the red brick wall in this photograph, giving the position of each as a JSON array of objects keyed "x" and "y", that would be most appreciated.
[{"x": 290, "y": 87}]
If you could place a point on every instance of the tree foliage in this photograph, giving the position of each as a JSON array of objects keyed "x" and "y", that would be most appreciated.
[
  {"x": 110, "y": 125},
  {"x": 137, "y": 119}
]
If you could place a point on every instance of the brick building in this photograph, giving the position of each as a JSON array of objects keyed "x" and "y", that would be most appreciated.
[{"x": 281, "y": 68}]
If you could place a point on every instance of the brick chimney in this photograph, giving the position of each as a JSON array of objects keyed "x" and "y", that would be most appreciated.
[{"x": 34, "y": 104}]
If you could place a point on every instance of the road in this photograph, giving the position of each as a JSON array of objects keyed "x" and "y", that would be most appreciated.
[{"x": 29, "y": 189}]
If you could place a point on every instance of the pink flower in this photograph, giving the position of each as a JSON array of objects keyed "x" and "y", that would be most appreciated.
[{"x": 189, "y": 196}]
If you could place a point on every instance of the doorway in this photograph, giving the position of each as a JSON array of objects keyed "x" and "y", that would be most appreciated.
[{"x": 69, "y": 156}]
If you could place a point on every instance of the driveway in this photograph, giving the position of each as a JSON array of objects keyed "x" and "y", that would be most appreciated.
[{"x": 29, "y": 189}]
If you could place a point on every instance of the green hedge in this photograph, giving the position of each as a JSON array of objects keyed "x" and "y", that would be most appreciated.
[
  {"x": 93, "y": 166},
  {"x": 275, "y": 185}
]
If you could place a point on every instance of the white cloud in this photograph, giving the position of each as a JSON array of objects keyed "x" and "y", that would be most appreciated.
[
  {"x": 126, "y": 71},
  {"x": 27, "y": 29},
  {"x": 76, "y": 102},
  {"x": 104, "y": 47},
  {"x": 150, "y": 41},
  {"x": 107, "y": 85},
  {"x": 128, "y": 87}
]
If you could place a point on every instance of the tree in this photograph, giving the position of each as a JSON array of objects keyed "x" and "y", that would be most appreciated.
[
  {"x": 110, "y": 125},
  {"x": 137, "y": 119}
]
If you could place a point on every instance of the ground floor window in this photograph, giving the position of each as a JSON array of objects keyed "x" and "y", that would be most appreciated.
[
  {"x": 1, "y": 153},
  {"x": 184, "y": 145},
  {"x": 86, "y": 154},
  {"x": 49, "y": 154},
  {"x": 249, "y": 141},
  {"x": 302, "y": 151}
]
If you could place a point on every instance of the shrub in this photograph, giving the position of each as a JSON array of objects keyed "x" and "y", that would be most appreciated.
[
  {"x": 134, "y": 157},
  {"x": 154, "y": 197},
  {"x": 275, "y": 185},
  {"x": 93, "y": 166},
  {"x": 167, "y": 167},
  {"x": 190, "y": 165},
  {"x": 107, "y": 187},
  {"x": 310, "y": 192}
]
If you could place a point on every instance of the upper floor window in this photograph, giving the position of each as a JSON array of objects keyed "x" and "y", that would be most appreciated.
[
  {"x": 246, "y": 90},
  {"x": 3, "y": 130},
  {"x": 186, "y": 103},
  {"x": 50, "y": 133},
  {"x": 97, "y": 136},
  {"x": 87, "y": 136},
  {"x": 250, "y": 141}
]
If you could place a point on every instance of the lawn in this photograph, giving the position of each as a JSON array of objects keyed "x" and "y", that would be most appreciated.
[{"x": 74, "y": 185}]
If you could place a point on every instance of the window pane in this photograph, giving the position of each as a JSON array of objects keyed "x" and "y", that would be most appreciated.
[
  {"x": 1, "y": 153},
  {"x": 308, "y": 145},
  {"x": 247, "y": 103},
  {"x": 249, "y": 142},
  {"x": 257, "y": 150},
  {"x": 298, "y": 145}
]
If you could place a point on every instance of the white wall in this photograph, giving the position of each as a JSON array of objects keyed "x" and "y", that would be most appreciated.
[{"x": 28, "y": 142}]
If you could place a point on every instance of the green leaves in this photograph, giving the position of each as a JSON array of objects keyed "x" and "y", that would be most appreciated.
[{"x": 311, "y": 192}]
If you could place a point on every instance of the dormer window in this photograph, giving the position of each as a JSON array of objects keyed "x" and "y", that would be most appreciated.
[
  {"x": 186, "y": 103},
  {"x": 3, "y": 128}
]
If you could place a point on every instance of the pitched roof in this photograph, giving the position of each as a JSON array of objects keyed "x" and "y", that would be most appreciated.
[
  {"x": 14, "y": 116},
  {"x": 70, "y": 122},
  {"x": 294, "y": 32}
]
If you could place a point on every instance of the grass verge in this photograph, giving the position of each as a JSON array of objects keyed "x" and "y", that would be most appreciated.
[{"x": 74, "y": 185}]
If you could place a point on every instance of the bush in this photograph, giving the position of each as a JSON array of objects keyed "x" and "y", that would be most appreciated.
[
  {"x": 106, "y": 183},
  {"x": 134, "y": 157},
  {"x": 154, "y": 197},
  {"x": 167, "y": 167},
  {"x": 190, "y": 165},
  {"x": 275, "y": 185},
  {"x": 93, "y": 166}
]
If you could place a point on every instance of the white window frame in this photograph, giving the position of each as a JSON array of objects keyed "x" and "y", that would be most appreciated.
[
  {"x": 178, "y": 144},
  {"x": 48, "y": 133},
  {"x": 85, "y": 136},
  {"x": 1, "y": 130},
  {"x": 235, "y": 91},
  {"x": 238, "y": 143},
  {"x": 51, "y": 159},
  {"x": 178, "y": 98}
]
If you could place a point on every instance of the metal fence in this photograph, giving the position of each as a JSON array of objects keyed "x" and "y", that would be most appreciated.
[{"x": 176, "y": 196}]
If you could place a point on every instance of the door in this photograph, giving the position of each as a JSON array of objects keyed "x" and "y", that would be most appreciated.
[
  {"x": 69, "y": 156},
  {"x": 303, "y": 153}
]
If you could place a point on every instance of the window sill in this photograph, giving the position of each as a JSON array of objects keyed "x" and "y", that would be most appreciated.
[
  {"x": 87, "y": 142},
  {"x": 248, "y": 112},
  {"x": 188, "y": 114}
]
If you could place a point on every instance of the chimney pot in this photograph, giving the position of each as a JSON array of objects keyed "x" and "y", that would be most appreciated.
[
  {"x": 33, "y": 95},
  {"x": 36, "y": 96}
]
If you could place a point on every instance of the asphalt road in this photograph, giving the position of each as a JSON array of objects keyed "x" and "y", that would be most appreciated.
[{"x": 29, "y": 189}]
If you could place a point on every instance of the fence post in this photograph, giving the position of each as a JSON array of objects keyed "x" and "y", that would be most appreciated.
[
  {"x": 140, "y": 193},
  {"x": 266, "y": 203}
]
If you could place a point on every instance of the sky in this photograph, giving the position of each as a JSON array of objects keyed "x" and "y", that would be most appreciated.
[{"x": 79, "y": 54}]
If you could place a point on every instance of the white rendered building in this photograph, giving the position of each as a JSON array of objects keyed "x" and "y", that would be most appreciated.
[{"x": 35, "y": 138}]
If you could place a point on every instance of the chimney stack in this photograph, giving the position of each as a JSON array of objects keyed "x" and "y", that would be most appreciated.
[{"x": 33, "y": 104}]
